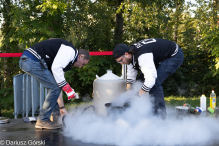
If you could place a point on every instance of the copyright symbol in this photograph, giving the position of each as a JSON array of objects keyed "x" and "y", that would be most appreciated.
[{"x": 2, "y": 142}]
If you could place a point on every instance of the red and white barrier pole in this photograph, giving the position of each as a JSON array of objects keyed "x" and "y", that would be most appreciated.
[{"x": 91, "y": 53}]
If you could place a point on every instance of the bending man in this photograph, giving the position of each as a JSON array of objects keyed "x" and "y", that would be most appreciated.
[
  {"x": 47, "y": 61},
  {"x": 156, "y": 59}
]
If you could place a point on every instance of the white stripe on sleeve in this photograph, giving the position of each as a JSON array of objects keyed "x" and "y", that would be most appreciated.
[
  {"x": 65, "y": 55},
  {"x": 147, "y": 66}
]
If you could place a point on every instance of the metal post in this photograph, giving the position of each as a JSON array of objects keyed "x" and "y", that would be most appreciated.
[
  {"x": 28, "y": 95},
  {"x": 124, "y": 71},
  {"x": 24, "y": 95},
  {"x": 17, "y": 81}
]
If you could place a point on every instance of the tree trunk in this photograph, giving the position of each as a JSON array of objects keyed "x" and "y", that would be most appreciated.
[
  {"x": 176, "y": 23},
  {"x": 176, "y": 31},
  {"x": 215, "y": 6},
  {"x": 119, "y": 25}
]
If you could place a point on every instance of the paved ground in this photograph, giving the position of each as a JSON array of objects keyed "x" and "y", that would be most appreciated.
[{"x": 17, "y": 133}]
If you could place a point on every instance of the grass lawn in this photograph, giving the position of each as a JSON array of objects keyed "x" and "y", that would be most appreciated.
[
  {"x": 8, "y": 113},
  {"x": 170, "y": 101}
]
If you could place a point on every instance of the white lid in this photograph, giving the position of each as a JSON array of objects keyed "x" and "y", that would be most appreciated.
[{"x": 109, "y": 76}]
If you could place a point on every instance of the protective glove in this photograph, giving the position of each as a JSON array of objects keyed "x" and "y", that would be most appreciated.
[{"x": 69, "y": 91}]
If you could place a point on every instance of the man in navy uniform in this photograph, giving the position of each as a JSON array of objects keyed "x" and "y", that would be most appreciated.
[
  {"x": 156, "y": 59},
  {"x": 47, "y": 61}
]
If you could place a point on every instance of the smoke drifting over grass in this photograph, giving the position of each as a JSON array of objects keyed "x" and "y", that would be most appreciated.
[{"x": 138, "y": 126}]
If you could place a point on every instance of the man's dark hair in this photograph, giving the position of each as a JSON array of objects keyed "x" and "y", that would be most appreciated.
[
  {"x": 85, "y": 52},
  {"x": 131, "y": 50},
  {"x": 120, "y": 50}
]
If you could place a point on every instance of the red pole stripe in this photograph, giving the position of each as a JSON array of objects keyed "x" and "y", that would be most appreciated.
[
  {"x": 10, "y": 54},
  {"x": 91, "y": 53},
  {"x": 101, "y": 53}
]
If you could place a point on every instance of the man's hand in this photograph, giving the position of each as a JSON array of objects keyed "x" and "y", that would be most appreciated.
[
  {"x": 63, "y": 111},
  {"x": 141, "y": 92},
  {"x": 69, "y": 91},
  {"x": 128, "y": 87}
]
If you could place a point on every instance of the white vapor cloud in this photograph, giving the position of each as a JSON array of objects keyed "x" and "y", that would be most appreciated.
[{"x": 138, "y": 126}]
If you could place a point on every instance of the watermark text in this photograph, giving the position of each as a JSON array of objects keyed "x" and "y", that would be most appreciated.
[{"x": 22, "y": 142}]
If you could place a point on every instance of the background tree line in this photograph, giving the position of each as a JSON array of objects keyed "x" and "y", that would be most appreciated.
[{"x": 98, "y": 25}]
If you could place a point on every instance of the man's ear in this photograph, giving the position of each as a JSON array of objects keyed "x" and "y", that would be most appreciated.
[{"x": 126, "y": 54}]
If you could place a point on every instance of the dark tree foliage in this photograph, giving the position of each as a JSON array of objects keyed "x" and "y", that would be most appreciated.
[{"x": 98, "y": 25}]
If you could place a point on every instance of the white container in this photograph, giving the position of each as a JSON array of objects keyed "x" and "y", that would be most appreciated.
[
  {"x": 203, "y": 102},
  {"x": 105, "y": 90}
]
